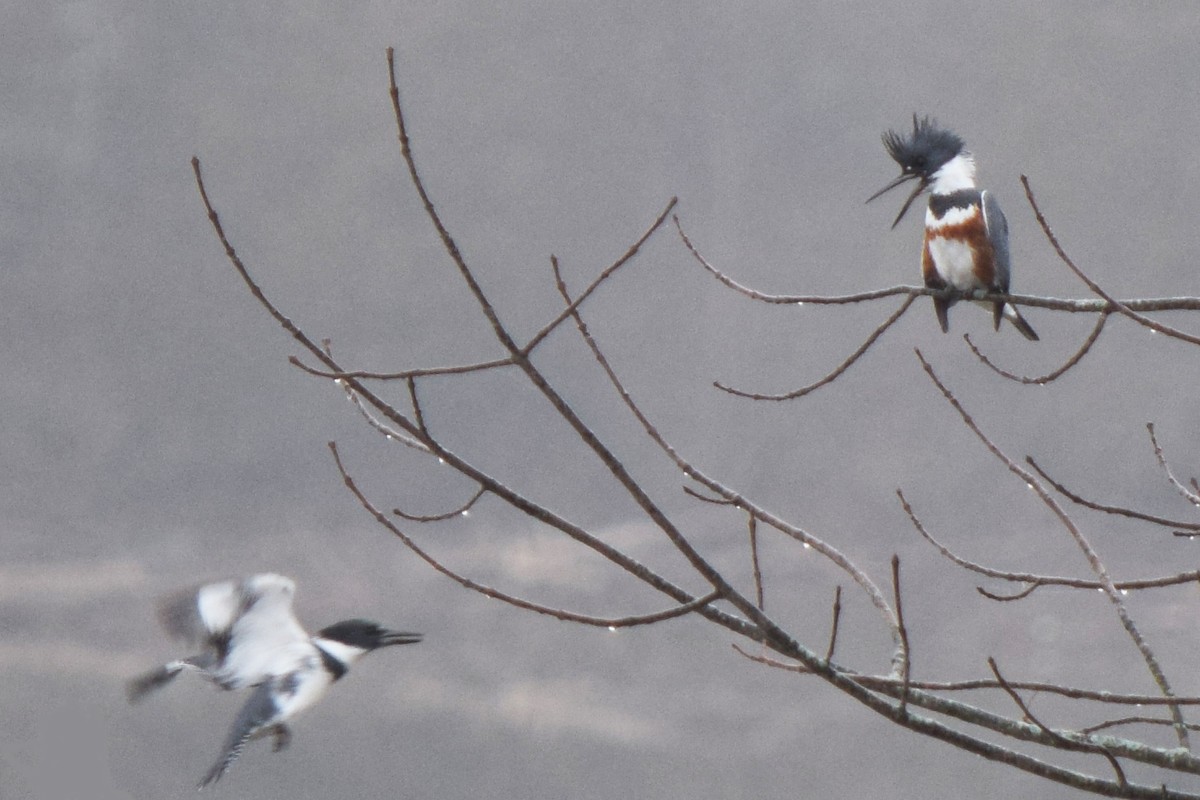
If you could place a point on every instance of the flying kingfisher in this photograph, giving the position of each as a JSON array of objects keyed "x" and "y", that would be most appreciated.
[
  {"x": 966, "y": 234},
  {"x": 249, "y": 637}
]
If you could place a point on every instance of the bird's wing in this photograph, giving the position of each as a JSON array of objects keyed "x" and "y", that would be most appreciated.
[
  {"x": 265, "y": 639},
  {"x": 199, "y": 613},
  {"x": 245, "y": 627},
  {"x": 997, "y": 232},
  {"x": 255, "y": 714}
]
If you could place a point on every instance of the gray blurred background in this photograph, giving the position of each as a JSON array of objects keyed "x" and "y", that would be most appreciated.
[{"x": 155, "y": 435}]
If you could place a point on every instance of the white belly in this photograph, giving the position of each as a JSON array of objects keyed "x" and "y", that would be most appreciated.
[{"x": 953, "y": 259}]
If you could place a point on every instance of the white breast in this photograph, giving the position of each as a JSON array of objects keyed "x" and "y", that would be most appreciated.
[{"x": 953, "y": 259}]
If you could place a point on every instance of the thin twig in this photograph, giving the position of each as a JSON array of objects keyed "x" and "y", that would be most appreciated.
[
  {"x": 1188, "y": 495},
  {"x": 1078, "y": 306},
  {"x": 1035, "y": 579},
  {"x": 1175, "y": 760},
  {"x": 458, "y": 512},
  {"x": 752, "y": 524},
  {"x": 1075, "y": 358},
  {"x": 1126, "y": 308},
  {"x": 1081, "y": 542},
  {"x": 1118, "y": 510},
  {"x": 1066, "y": 743},
  {"x": 832, "y": 376},
  {"x": 722, "y": 491},
  {"x": 1113, "y": 723},
  {"x": 833, "y": 627},
  {"x": 893, "y": 685},
  {"x": 906, "y": 663},
  {"x": 421, "y": 372},
  {"x": 604, "y": 275},
  {"x": 558, "y": 613}
]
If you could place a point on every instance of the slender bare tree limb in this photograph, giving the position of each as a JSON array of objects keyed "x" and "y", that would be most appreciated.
[
  {"x": 906, "y": 665},
  {"x": 1188, "y": 495},
  {"x": 1093, "y": 559},
  {"x": 1080, "y": 306},
  {"x": 1066, "y": 743},
  {"x": 359, "y": 374},
  {"x": 1115, "y": 723},
  {"x": 458, "y": 512},
  {"x": 720, "y": 490},
  {"x": 1126, "y": 308},
  {"x": 832, "y": 376},
  {"x": 1034, "y": 579},
  {"x": 1117, "y": 510},
  {"x": 1042, "y": 380},
  {"x": 558, "y": 613},
  {"x": 752, "y": 525},
  {"x": 1178, "y": 759},
  {"x": 833, "y": 627}
]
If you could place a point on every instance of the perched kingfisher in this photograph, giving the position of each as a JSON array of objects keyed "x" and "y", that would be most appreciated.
[
  {"x": 966, "y": 234},
  {"x": 249, "y": 637}
]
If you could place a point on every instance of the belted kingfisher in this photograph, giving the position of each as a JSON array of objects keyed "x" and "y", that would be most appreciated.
[
  {"x": 966, "y": 234},
  {"x": 249, "y": 637}
]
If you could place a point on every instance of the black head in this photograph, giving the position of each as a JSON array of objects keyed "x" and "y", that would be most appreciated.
[
  {"x": 920, "y": 156},
  {"x": 366, "y": 635}
]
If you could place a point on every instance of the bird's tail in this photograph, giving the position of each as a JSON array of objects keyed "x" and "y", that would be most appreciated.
[
  {"x": 1014, "y": 316},
  {"x": 233, "y": 750}
]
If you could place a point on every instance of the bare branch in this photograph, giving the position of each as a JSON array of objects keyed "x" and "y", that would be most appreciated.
[
  {"x": 358, "y": 374},
  {"x": 1081, "y": 306},
  {"x": 1085, "y": 547},
  {"x": 458, "y": 512},
  {"x": 1075, "y": 358},
  {"x": 1190, "y": 496},
  {"x": 1118, "y": 510},
  {"x": 752, "y": 524},
  {"x": 1113, "y": 723},
  {"x": 720, "y": 490},
  {"x": 604, "y": 275},
  {"x": 1035, "y": 580},
  {"x": 1066, "y": 743},
  {"x": 906, "y": 663},
  {"x": 832, "y": 376},
  {"x": 833, "y": 628},
  {"x": 1128, "y": 309},
  {"x": 695, "y": 604}
]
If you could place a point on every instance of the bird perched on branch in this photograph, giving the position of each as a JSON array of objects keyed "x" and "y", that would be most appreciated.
[
  {"x": 966, "y": 234},
  {"x": 249, "y": 637}
]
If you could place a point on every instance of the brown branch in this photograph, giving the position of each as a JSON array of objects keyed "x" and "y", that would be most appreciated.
[
  {"x": 1192, "y": 498},
  {"x": 1175, "y": 760},
  {"x": 1077, "y": 306},
  {"x": 1126, "y": 308},
  {"x": 892, "y": 684},
  {"x": 1113, "y": 723},
  {"x": 605, "y": 274},
  {"x": 1081, "y": 542},
  {"x": 725, "y": 493},
  {"x": 1064, "y": 742},
  {"x": 589, "y": 438},
  {"x": 458, "y": 512},
  {"x": 837, "y": 372},
  {"x": 833, "y": 628},
  {"x": 906, "y": 663},
  {"x": 1083, "y": 350},
  {"x": 1117, "y": 510},
  {"x": 421, "y": 372},
  {"x": 752, "y": 524},
  {"x": 1036, "y": 580},
  {"x": 1005, "y": 598},
  {"x": 694, "y": 604}
]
